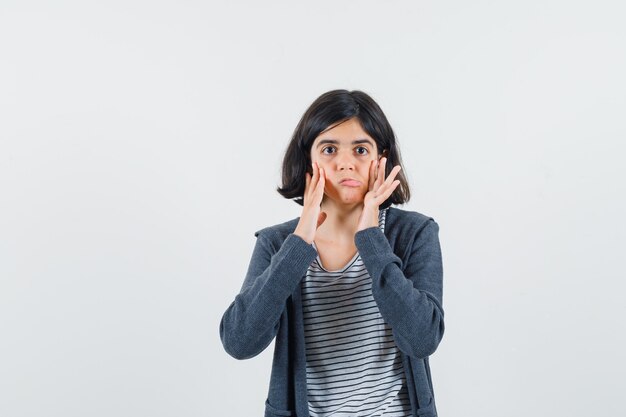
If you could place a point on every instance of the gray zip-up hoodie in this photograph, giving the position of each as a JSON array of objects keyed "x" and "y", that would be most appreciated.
[{"x": 405, "y": 266}]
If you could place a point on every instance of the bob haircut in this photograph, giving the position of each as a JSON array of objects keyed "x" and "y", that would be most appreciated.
[{"x": 331, "y": 108}]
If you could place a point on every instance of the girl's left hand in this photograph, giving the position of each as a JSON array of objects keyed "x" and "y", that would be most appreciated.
[{"x": 379, "y": 190}]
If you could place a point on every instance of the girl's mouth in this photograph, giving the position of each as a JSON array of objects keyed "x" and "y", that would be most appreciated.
[{"x": 350, "y": 183}]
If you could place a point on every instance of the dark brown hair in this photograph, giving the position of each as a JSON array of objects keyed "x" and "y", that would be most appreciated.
[{"x": 328, "y": 109}]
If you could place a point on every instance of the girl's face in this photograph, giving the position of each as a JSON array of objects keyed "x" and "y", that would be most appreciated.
[{"x": 345, "y": 151}]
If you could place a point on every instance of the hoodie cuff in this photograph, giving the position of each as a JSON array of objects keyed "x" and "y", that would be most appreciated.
[{"x": 374, "y": 249}]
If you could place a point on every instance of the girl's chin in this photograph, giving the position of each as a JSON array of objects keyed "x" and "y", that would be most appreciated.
[{"x": 349, "y": 197}]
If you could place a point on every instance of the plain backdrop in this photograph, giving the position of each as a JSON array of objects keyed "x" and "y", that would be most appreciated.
[{"x": 140, "y": 149}]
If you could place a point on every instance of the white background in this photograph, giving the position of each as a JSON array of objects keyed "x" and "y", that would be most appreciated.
[{"x": 140, "y": 148}]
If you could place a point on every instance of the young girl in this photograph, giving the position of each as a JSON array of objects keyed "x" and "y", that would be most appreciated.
[{"x": 351, "y": 289}]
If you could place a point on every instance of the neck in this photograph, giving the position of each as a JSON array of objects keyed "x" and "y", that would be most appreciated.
[{"x": 341, "y": 221}]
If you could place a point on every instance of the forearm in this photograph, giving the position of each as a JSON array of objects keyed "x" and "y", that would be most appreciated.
[
  {"x": 251, "y": 321},
  {"x": 409, "y": 299}
]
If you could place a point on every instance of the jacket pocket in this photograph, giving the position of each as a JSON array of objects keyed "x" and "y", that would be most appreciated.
[
  {"x": 427, "y": 410},
  {"x": 275, "y": 412}
]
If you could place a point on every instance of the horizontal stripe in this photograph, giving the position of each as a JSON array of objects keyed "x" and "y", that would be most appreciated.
[
  {"x": 356, "y": 375},
  {"x": 377, "y": 342},
  {"x": 353, "y": 364}
]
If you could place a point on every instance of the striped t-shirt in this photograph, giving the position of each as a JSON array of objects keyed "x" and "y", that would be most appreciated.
[{"x": 353, "y": 365}]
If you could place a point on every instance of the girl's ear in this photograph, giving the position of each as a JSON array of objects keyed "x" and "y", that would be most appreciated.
[{"x": 384, "y": 154}]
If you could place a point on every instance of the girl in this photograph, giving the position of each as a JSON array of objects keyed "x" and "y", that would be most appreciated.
[{"x": 351, "y": 289}]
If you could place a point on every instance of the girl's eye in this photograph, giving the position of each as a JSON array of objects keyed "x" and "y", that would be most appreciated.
[{"x": 361, "y": 150}]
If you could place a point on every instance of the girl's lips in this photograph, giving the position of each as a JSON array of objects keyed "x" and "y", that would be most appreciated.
[{"x": 351, "y": 183}]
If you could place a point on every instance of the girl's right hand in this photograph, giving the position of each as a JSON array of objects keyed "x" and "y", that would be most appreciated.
[{"x": 312, "y": 216}]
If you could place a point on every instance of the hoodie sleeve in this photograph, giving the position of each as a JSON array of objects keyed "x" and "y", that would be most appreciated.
[
  {"x": 251, "y": 321},
  {"x": 409, "y": 297}
]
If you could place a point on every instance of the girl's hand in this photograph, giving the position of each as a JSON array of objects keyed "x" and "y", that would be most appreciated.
[
  {"x": 379, "y": 190},
  {"x": 312, "y": 216}
]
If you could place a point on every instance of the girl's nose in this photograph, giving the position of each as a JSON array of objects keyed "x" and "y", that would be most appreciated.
[{"x": 345, "y": 161}]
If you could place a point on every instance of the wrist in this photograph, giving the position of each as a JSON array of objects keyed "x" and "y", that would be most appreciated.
[
  {"x": 302, "y": 236},
  {"x": 369, "y": 220}
]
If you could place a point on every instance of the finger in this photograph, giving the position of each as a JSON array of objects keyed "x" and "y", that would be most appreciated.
[
  {"x": 380, "y": 178},
  {"x": 373, "y": 167},
  {"x": 319, "y": 187},
  {"x": 307, "y": 182},
  {"x": 313, "y": 178},
  {"x": 393, "y": 174},
  {"x": 385, "y": 192},
  {"x": 389, "y": 180},
  {"x": 393, "y": 187}
]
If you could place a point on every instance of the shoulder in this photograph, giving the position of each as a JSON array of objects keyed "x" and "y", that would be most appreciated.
[
  {"x": 410, "y": 230},
  {"x": 277, "y": 233},
  {"x": 408, "y": 221}
]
